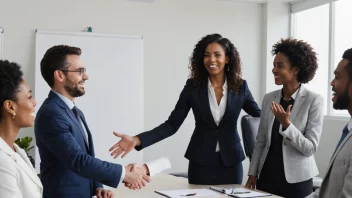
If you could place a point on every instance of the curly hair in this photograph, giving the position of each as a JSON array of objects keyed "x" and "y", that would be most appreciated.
[
  {"x": 301, "y": 55},
  {"x": 10, "y": 79},
  {"x": 55, "y": 59},
  {"x": 348, "y": 55},
  {"x": 232, "y": 69}
]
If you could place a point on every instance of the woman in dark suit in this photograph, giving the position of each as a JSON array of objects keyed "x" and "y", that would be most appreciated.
[
  {"x": 290, "y": 126},
  {"x": 217, "y": 94}
]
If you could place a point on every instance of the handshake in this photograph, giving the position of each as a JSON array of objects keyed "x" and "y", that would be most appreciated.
[{"x": 136, "y": 176}]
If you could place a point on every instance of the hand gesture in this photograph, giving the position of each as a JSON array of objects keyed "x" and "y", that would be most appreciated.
[
  {"x": 282, "y": 115},
  {"x": 124, "y": 146}
]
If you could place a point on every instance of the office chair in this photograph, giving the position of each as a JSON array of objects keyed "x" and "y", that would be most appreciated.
[{"x": 249, "y": 126}]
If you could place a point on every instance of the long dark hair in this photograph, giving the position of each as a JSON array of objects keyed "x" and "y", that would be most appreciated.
[{"x": 232, "y": 69}]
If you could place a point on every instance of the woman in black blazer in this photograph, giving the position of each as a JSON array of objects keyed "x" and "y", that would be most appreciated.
[{"x": 217, "y": 94}]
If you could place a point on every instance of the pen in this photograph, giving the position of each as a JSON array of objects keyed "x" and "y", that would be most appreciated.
[
  {"x": 188, "y": 195},
  {"x": 239, "y": 192},
  {"x": 218, "y": 189}
]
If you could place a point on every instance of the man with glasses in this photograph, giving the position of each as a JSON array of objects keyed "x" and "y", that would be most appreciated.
[{"x": 68, "y": 166}]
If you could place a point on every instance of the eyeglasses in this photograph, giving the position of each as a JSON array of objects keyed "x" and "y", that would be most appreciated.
[{"x": 80, "y": 71}]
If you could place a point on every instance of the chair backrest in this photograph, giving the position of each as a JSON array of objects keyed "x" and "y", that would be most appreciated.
[{"x": 249, "y": 126}]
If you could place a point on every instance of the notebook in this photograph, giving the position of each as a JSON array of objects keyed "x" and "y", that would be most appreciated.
[{"x": 240, "y": 192}]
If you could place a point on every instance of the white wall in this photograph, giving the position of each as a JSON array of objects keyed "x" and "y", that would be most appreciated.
[
  {"x": 276, "y": 26},
  {"x": 170, "y": 29},
  {"x": 1, "y": 35}
]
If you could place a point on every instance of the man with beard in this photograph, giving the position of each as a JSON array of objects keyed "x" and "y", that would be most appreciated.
[
  {"x": 338, "y": 180},
  {"x": 68, "y": 166}
]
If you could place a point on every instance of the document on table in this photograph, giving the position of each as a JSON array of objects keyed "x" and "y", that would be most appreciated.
[
  {"x": 240, "y": 192},
  {"x": 187, "y": 193}
]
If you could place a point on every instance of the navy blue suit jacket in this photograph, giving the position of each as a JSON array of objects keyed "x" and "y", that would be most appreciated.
[
  {"x": 68, "y": 167},
  {"x": 201, "y": 149}
]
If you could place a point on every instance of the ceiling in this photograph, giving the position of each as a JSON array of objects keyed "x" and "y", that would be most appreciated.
[
  {"x": 263, "y": 1},
  {"x": 249, "y": 1}
]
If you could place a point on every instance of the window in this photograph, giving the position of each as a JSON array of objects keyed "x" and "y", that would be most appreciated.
[{"x": 327, "y": 29}]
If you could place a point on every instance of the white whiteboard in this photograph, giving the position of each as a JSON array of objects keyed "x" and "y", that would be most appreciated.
[
  {"x": 114, "y": 90},
  {"x": 1, "y": 42}
]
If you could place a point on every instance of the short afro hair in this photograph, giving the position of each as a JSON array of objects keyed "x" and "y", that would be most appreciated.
[
  {"x": 301, "y": 55},
  {"x": 10, "y": 79}
]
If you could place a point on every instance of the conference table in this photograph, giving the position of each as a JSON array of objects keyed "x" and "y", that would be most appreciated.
[{"x": 166, "y": 182}]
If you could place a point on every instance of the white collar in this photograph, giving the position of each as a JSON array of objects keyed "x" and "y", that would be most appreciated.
[
  {"x": 6, "y": 148},
  {"x": 28, "y": 168},
  {"x": 224, "y": 86},
  {"x": 67, "y": 101}
]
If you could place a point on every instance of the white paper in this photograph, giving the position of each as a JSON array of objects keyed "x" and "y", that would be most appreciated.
[
  {"x": 240, "y": 192},
  {"x": 183, "y": 193}
]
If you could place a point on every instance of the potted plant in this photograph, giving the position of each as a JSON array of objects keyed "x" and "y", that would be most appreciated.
[{"x": 24, "y": 143}]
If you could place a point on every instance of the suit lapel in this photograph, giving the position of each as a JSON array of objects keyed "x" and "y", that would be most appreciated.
[
  {"x": 21, "y": 159},
  {"x": 334, "y": 157},
  {"x": 27, "y": 166},
  {"x": 339, "y": 148},
  {"x": 77, "y": 122},
  {"x": 271, "y": 116},
  {"x": 299, "y": 101},
  {"x": 69, "y": 112},
  {"x": 204, "y": 97}
]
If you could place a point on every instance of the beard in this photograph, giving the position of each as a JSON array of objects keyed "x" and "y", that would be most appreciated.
[
  {"x": 342, "y": 101},
  {"x": 72, "y": 88}
]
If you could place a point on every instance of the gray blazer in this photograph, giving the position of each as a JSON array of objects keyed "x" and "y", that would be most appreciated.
[
  {"x": 338, "y": 180},
  {"x": 300, "y": 139}
]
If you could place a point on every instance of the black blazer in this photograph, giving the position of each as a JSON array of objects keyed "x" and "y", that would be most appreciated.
[{"x": 201, "y": 148}]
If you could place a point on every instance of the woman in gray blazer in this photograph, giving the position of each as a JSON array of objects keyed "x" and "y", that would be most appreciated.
[{"x": 290, "y": 125}]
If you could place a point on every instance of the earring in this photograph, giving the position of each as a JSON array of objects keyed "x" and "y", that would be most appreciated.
[
  {"x": 13, "y": 115},
  {"x": 296, "y": 73}
]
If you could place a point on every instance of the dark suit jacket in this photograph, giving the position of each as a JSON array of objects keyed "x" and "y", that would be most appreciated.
[
  {"x": 201, "y": 148},
  {"x": 68, "y": 167}
]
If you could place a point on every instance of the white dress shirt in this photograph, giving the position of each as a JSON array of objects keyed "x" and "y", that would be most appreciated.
[
  {"x": 217, "y": 110},
  {"x": 70, "y": 105},
  {"x": 158, "y": 166}
]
